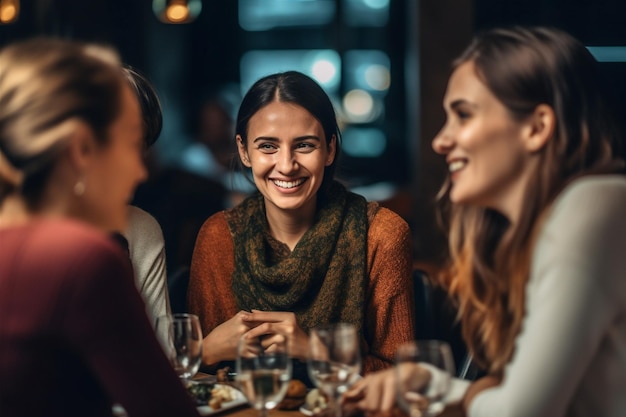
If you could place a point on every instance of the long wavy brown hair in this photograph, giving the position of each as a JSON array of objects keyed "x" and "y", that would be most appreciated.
[{"x": 489, "y": 256}]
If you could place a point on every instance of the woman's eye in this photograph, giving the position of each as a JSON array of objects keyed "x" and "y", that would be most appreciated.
[
  {"x": 267, "y": 147},
  {"x": 463, "y": 115},
  {"x": 305, "y": 146}
]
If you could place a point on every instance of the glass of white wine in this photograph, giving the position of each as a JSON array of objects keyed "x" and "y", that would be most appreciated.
[
  {"x": 181, "y": 338},
  {"x": 420, "y": 392},
  {"x": 334, "y": 360},
  {"x": 263, "y": 374}
]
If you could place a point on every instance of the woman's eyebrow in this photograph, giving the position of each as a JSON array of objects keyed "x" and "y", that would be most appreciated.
[
  {"x": 461, "y": 102},
  {"x": 298, "y": 139}
]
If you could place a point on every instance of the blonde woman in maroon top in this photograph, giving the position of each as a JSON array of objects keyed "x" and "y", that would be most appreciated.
[{"x": 74, "y": 335}]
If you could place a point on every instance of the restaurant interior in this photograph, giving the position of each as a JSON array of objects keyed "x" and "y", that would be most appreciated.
[{"x": 384, "y": 63}]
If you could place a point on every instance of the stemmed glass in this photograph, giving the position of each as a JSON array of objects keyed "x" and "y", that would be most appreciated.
[
  {"x": 181, "y": 338},
  {"x": 334, "y": 360},
  {"x": 263, "y": 375},
  {"x": 418, "y": 392}
]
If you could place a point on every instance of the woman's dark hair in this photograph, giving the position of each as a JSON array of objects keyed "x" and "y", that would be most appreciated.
[
  {"x": 151, "y": 111},
  {"x": 297, "y": 88}
]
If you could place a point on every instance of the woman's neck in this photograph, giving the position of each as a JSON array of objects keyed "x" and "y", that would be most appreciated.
[{"x": 14, "y": 212}]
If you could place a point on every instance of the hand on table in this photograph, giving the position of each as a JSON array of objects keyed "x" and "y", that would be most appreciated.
[{"x": 376, "y": 392}]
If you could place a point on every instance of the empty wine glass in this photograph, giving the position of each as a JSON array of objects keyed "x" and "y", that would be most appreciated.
[
  {"x": 334, "y": 360},
  {"x": 418, "y": 391},
  {"x": 263, "y": 375},
  {"x": 181, "y": 338}
]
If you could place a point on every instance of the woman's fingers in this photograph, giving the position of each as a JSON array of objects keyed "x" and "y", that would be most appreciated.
[
  {"x": 270, "y": 316},
  {"x": 375, "y": 392}
]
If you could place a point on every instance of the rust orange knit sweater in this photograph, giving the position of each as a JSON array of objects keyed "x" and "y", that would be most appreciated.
[{"x": 388, "y": 313}]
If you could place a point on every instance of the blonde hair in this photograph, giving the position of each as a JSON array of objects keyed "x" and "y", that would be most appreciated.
[
  {"x": 47, "y": 87},
  {"x": 490, "y": 257}
]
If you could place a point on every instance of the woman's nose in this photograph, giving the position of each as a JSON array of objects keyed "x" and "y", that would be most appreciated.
[
  {"x": 287, "y": 161},
  {"x": 442, "y": 143}
]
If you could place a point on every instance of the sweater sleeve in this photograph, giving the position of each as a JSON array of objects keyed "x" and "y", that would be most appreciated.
[
  {"x": 107, "y": 323},
  {"x": 209, "y": 294},
  {"x": 147, "y": 254},
  {"x": 571, "y": 349},
  {"x": 389, "y": 316}
]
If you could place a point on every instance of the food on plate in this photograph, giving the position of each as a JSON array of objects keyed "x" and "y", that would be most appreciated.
[
  {"x": 221, "y": 394},
  {"x": 295, "y": 396},
  {"x": 213, "y": 395},
  {"x": 225, "y": 376},
  {"x": 296, "y": 389},
  {"x": 316, "y": 401},
  {"x": 200, "y": 391}
]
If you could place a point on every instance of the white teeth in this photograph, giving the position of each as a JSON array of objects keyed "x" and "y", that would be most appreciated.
[
  {"x": 288, "y": 184},
  {"x": 456, "y": 165}
]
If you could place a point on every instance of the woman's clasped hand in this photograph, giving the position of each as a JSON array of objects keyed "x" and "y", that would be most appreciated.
[{"x": 271, "y": 324}]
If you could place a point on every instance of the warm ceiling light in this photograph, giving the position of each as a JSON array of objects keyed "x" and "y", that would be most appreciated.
[
  {"x": 176, "y": 11},
  {"x": 9, "y": 11}
]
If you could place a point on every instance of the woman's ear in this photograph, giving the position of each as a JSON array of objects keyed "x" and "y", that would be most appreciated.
[
  {"x": 540, "y": 129},
  {"x": 243, "y": 152},
  {"x": 81, "y": 145},
  {"x": 332, "y": 150}
]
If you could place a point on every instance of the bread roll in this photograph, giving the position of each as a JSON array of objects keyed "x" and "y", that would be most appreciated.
[{"x": 295, "y": 396}]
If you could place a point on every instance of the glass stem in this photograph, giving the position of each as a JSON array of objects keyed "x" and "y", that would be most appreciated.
[
  {"x": 263, "y": 412},
  {"x": 337, "y": 404}
]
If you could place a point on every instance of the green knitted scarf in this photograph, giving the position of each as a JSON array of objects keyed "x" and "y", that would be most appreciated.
[{"x": 322, "y": 281}]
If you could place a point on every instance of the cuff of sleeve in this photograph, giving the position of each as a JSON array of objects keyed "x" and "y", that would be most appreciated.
[{"x": 458, "y": 387}]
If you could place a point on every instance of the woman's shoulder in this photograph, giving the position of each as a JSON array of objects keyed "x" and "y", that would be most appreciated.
[
  {"x": 216, "y": 223},
  {"x": 587, "y": 222},
  {"x": 380, "y": 217},
  {"x": 64, "y": 237},
  {"x": 387, "y": 229},
  {"x": 214, "y": 230},
  {"x": 142, "y": 226},
  {"x": 591, "y": 184},
  {"x": 66, "y": 249},
  {"x": 591, "y": 195},
  {"x": 584, "y": 234}
]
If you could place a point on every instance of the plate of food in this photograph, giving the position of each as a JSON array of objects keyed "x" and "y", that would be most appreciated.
[
  {"x": 214, "y": 398},
  {"x": 211, "y": 398},
  {"x": 314, "y": 403}
]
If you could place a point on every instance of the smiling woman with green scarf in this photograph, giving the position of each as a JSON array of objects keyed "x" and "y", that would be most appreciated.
[{"x": 303, "y": 251}]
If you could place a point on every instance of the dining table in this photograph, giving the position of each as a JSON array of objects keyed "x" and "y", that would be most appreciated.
[{"x": 245, "y": 410}]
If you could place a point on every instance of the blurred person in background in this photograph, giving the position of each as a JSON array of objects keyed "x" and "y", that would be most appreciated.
[
  {"x": 74, "y": 335},
  {"x": 537, "y": 231},
  {"x": 213, "y": 152},
  {"x": 143, "y": 235}
]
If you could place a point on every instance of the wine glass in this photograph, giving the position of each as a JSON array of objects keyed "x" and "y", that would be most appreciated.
[
  {"x": 334, "y": 360},
  {"x": 181, "y": 338},
  {"x": 263, "y": 375},
  {"x": 418, "y": 391}
]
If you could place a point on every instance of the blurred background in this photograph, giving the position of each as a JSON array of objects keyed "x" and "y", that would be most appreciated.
[{"x": 385, "y": 64}]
